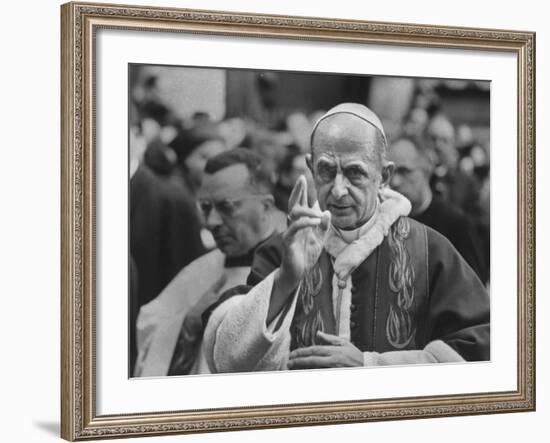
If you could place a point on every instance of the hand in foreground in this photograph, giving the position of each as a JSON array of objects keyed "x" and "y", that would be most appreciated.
[
  {"x": 302, "y": 244},
  {"x": 304, "y": 238},
  {"x": 336, "y": 353}
]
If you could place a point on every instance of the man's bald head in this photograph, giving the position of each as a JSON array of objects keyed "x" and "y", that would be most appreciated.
[
  {"x": 343, "y": 131},
  {"x": 354, "y": 121}
]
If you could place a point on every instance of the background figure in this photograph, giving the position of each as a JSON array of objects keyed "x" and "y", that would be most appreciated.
[
  {"x": 236, "y": 203},
  {"x": 413, "y": 170},
  {"x": 180, "y": 117},
  {"x": 293, "y": 166},
  {"x": 164, "y": 230},
  {"x": 448, "y": 181},
  {"x": 193, "y": 147},
  {"x": 134, "y": 311}
]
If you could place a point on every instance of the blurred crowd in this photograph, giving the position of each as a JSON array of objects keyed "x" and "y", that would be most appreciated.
[{"x": 443, "y": 168}]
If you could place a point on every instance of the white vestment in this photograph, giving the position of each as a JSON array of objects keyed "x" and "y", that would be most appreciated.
[
  {"x": 237, "y": 338},
  {"x": 159, "y": 322}
]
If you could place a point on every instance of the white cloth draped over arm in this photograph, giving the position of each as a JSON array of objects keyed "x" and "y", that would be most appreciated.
[{"x": 237, "y": 339}]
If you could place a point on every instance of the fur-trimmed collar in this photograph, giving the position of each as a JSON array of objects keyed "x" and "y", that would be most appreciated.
[{"x": 348, "y": 255}]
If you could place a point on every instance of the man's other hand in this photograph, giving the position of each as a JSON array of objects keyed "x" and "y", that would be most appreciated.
[{"x": 335, "y": 353}]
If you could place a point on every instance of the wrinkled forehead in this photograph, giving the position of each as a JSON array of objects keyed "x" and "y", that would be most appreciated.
[
  {"x": 230, "y": 182},
  {"x": 346, "y": 136}
]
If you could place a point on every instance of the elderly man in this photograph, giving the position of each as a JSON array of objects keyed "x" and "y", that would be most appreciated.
[
  {"x": 358, "y": 283},
  {"x": 237, "y": 206},
  {"x": 411, "y": 177}
]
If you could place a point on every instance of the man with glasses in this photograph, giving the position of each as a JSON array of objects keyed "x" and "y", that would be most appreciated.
[
  {"x": 358, "y": 283},
  {"x": 235, "y": 198}
]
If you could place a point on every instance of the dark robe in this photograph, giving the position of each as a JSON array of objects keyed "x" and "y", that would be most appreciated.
[
  {"x": 454, "y": 225},
  {"x": 457, "y": 189},
  {"x": 133, "y": 313},
  {"x": 413, "y": 289},
  {"x": 164, "y": 230},
  {"x": 189, "y": 338}
]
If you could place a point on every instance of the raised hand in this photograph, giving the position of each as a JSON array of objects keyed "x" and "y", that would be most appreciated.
[
  {"x": 304, "y": 238},
  {"x": 302, "y": 244}
]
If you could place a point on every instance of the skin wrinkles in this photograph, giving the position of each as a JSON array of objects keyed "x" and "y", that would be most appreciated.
[
  {"x": 347, "y": 169},
  {"x": 249, "y": 223}
]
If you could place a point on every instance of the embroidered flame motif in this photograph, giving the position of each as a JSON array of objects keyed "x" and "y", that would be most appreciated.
[
  {"x": 400, "y": 327},
  {"x": 307, "y": 335},
  {"x": 311, "y": 286},
  {"x": 310, "y": 316}
]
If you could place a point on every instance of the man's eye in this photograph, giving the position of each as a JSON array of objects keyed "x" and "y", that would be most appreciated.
[
  {"x": 205, "y": 207},
  {"x": 355, "y": 173},
  {"x": 225, "y": 207},
  {"x": 326, "y": 172}
]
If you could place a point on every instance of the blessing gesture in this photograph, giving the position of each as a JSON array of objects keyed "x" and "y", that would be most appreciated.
[{"x": 302, "y": 244}]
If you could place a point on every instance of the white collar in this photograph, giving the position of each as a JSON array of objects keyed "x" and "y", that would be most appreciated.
[
  {"x": 350, "y": 236},
  {"x": 368, "y": 237}
]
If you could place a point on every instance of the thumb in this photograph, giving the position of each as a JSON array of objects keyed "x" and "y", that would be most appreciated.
[{"x": 330, "y": 339}]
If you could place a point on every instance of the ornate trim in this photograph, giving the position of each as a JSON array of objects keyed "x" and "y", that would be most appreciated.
[
  {"x": 79, "y": 21},
  {"x": 400, "y": 321}
]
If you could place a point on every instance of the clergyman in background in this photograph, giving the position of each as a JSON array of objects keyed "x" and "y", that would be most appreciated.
[{"x": 236, "y": 201}]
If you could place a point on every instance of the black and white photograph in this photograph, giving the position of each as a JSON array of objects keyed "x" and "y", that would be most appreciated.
[
  {"x": 277, "y": 221},
  {"x": 273, "y": 220},
  {"x": 283, "y": 221}
]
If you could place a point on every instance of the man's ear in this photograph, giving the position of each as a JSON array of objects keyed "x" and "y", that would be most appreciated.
[
  {"x": 387, "y": 173},
  {"x": 309, "y": 162}
]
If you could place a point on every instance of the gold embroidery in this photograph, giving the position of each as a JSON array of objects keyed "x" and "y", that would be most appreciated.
[
  {"x": 400, "y": 328},
  {"x": 310, "y": 317}
]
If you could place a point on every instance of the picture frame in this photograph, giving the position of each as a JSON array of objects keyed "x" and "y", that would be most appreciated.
[{"x": 80, "y": 177}]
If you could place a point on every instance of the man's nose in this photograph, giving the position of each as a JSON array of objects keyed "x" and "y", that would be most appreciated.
[
  {"x": 339, "y": 188},
  {"x": 213, "y": 219}
]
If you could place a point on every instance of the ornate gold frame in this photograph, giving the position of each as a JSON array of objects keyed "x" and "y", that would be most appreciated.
[{"x": 79, "y": 21}]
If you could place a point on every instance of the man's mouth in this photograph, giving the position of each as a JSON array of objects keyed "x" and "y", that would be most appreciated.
[
  {"x": 222, "y": 239},
  {"x": 339, "y": 208}
]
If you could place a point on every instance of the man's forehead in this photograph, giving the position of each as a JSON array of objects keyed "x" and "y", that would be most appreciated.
[
  {"x": 227, "y": 182},
  {"x": 354, "y": 111},
  {"x": 342, "y": 146},
  {"x": 345, "y": 158},
  {"x": 346, "y": 133},
  {"x": 345, "y": 126}
]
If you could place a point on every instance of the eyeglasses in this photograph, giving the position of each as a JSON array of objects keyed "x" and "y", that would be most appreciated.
[{"x": 226, "y": 207}]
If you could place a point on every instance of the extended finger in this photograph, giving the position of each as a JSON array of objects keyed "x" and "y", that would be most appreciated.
[
  {"x": 310, "y": 362},
  {"x": 304, "y": 201},
  {"x": 298, "y": 192},
  {"x": 298, "y": 225},
  {"x": 325, "y": 220},
  {"x": 311, "y": 351},
  {"x": 303, "y": 211}
]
